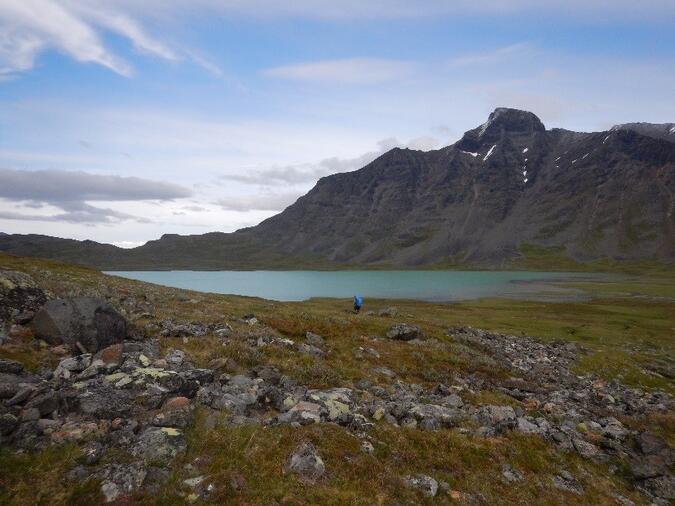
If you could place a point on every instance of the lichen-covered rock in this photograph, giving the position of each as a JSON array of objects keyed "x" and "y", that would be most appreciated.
[
  {"x": 119, "y": 480},
  {"x": 160, "y": 444},
  {"x": 18, "y": 294},
  {"x": 84, "y": 322}
]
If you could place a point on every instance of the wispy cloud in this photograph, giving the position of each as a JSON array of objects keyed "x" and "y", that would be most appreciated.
[
  {"x": 76, "y": 28},
  {"x": 77, "y": 212},
  {"x": 71, "y": 192},
  {"x": 346, "y": 71}
]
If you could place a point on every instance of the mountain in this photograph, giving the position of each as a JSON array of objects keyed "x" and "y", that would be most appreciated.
[{"x": 506, "y": 184}]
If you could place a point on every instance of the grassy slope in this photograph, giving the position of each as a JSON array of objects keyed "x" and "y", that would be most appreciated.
[{"x": 626, "y": 337}]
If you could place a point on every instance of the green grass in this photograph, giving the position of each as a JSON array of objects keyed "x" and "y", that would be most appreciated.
[
  {"x": 626, "y": 329},
  {"x": 246, "y": 464},
  {"x": 39, "y": 478}
]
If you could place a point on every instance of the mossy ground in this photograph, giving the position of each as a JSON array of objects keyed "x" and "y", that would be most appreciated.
[{"x": 627, "y": 331}]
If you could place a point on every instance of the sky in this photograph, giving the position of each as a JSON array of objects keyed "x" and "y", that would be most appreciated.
[{"x": 122, "y": 120}]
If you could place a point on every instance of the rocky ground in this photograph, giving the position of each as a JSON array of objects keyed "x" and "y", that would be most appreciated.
[{"x": 138, "y": 394}]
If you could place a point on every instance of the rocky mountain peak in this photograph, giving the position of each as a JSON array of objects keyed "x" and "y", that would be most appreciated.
[
  {"x": 503, "y": 121},
  {"x": 512, "y": 121}
]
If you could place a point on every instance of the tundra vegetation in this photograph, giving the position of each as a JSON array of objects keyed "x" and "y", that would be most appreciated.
[{"x": 212, "y": 398}]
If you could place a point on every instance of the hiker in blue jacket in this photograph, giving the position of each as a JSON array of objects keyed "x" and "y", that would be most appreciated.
[{"x": 358, "y": 302}]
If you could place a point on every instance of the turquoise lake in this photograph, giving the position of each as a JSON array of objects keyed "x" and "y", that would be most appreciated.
[{"x": 419, "y": 285}]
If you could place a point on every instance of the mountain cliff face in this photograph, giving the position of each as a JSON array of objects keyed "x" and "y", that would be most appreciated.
[{"x": 504, "y": 184}]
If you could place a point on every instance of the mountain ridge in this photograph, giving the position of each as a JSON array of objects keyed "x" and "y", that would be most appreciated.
[{"x": 506, "y": 183}]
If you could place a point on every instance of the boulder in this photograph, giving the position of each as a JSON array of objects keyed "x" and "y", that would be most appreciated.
[
  {"x": 306, "y": 462},
  {"x": 92, "y": 323},
  {"x": 19, "y": 294},
  {"x": 497, "y": 417},
  {"x": 312, "y": 351},
  {"x": 119, "y": 480},
  {"x": 426, "y": 484},
  {"x": 567, "y": 483},
  {"x": 404, "y": 332},
  {"x": 160, "y": 444}
]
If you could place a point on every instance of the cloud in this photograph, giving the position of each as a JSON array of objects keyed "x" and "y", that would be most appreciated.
[
  {"x": 264, "y": 201},
  {"x": 311, "y": 172},
  {"x": 76, "y": 28},
  {"x": 77, "y": 212},
  {"x": 347, "y": 71},
  {"x": 29, "y": 26},
  {"x": 70, "y": 192},
  {"x": 67, "y": 186}
]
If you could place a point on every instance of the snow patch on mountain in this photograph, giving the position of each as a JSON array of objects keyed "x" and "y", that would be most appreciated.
[{"x": 489, "y": 153}]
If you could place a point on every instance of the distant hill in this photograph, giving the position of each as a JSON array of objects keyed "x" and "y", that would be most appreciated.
[{"x": 506, "y": 184}]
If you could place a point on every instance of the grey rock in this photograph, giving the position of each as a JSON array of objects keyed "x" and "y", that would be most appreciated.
[
  {"x": 21, "y": 395},
  {"x": 567, "y": 483},
  {"x": 175, "y": 357},
  {"x": 650, "y": 444},
  {"x": 103, "y": 400},
  {"x": 585, "y": 449},
  {"x": 224, "y": 331},
  {"x": 48, "y": 425},
  {"x": 404, "y": 332},
  {"x": 120, "y": 480},
  {"x": 93, "y": 323},
  {"x": 306, "y": 462},
  {"x": 432, "y": 416},
  {"x": 511, "y": 475},
  {"x": 8, "y": 423},
  {"x": 526, "y": 426},
  {"x": 10, "y": 366},
  {"x": 649, "y": 467},
  {"x": 452, "y": 401},
  {"x": 426, "y": 484},
  {"x": 311, "y": 350},
  {"x": 314, "y": 339},
  {"x": 662, "y": 487},
  {"x": 19, "y": 293},
  {"x": 159, "y": 444},
  {"x": 499, "y": 417},
  {"x": 92, "y": 453},
  {"x": 70, "y": 365},
  {"x": 45, "y": 403},
  {"x": 303, "y": 413}
]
